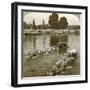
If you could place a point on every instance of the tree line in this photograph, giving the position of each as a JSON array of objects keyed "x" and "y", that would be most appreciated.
[
  {"x": 53, "y": 23},
  {"x": 34, "y": 26}
]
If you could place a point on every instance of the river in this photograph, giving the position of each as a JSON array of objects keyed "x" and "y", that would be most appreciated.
[{"x": 42, "y": 42}]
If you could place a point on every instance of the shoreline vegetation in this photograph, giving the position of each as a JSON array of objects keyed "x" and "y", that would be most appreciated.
[{"x": 50, "y": 31}]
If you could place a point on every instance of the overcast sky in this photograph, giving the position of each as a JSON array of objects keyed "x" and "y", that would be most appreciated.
[{"x": 73, "y": 19}]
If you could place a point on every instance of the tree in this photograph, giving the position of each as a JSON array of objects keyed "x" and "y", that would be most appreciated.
[
  {"x": 25, "y": 25},
  {"x": 57, "y": 24},
  {"x": 63, "y": 23},
  {"x": 34, "y": 25},
  {"x": 53, "y": 20},
  {"x": 43, "y": 24}
]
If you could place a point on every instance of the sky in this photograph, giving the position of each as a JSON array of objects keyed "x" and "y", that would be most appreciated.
[{"x": 73, "y": 19}]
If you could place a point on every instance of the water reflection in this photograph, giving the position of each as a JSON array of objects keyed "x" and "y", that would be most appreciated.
[
  {"x": 35, "y": 43},
  {"x": 59, "y": 41},
  {"x": 32, "y": 43}
]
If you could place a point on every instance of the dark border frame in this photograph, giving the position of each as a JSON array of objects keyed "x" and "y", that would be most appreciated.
[{"x": 14, "y": 43}]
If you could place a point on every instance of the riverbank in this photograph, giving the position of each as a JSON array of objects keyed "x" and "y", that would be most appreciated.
[
  {"x": 50, "y": 31},
  {"x": 42, "y": 65}
]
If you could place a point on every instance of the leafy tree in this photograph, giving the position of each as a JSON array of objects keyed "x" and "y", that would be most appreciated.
[
  {"x": 63, "y": 23},
  {"x": 25, "y": 25},
  {"x": 43, "y": 24},
  {"x": 53, "y": 20},
  {"x": 34, "y": 25},
  {"x": 57, "y": 24}
]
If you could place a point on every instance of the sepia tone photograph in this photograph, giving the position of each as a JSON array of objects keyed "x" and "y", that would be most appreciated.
[{"x": 50, "y": 44}]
